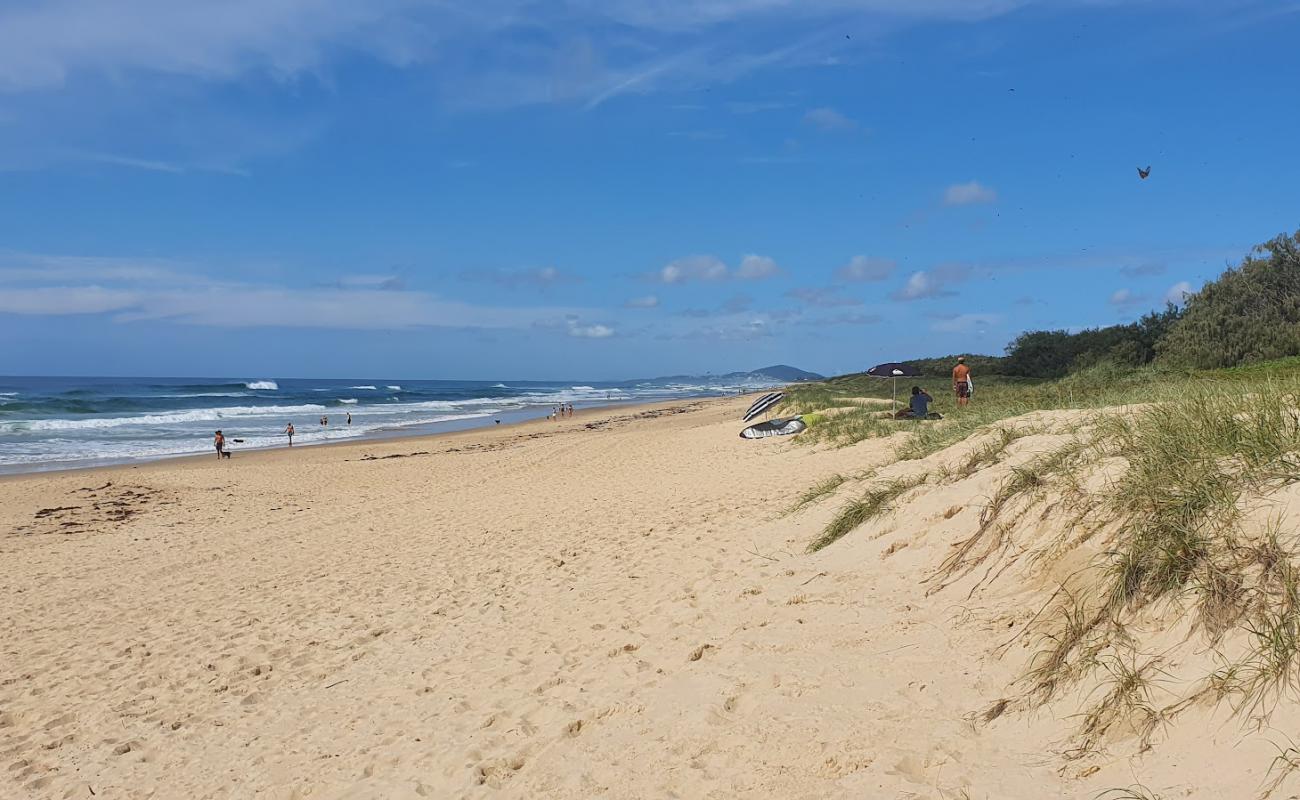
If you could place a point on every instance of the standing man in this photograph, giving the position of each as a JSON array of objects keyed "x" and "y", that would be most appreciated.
[
  {"x": 219, "y": 440},
  {"x": 288, "y": 429},
  {"x": 961, "y": 381},
  {"x": 349, "y": 417}
]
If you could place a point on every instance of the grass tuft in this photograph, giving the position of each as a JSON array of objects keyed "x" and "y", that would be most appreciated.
[
  {"x": 817, "y": 491},
  {"x": 875, "y": 502}
]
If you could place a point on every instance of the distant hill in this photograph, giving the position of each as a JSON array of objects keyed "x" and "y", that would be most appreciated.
[
  {"x": 777, "y": 373},
  {"x": 787, "y": 373}
]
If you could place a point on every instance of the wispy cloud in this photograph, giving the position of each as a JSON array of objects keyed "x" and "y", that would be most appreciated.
[
  {"x": 647, "y": 301},
  {"x": 754, "y": 107},
  {"x": 970, "y": 193},
  {"x": 388, "y": 282},
  {"x": 533, "y": 276},
  {"x": 846, "y": 318},
  {"x": 863, "y": 269},
  {"x": 932, "y": 283},
  {"x": 828, "y": 119},
  {"x": 1126, "y": 297},
  {"x": 823, "y": 297},
  {"x": 752, "y": 267},
  {"x": 594, "y": 331},
  {"x": 130, "y": 291},
  {"x": 755, "y": 267},
  {"x": 1143, "y": 269},
  {"x": 693, "y": 268}
]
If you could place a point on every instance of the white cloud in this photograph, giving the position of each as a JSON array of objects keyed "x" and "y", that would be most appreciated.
[
  {"x": 1126, "y": 297},
  {"x": 535, "y": 277},
  {"x": 370, "y": 282},
  {"x": 648, "y": 301},
  {"x": 711, "y": 268},
  {"x": 90, "y": 64},
  {"x": 64, "y": 300},
  {"x": 1143, "y": 269},
  {"x": 932, "y": 283},
  {"x": 690, "y": 268},
  {"x": 1177, "y": 293},
  {"x": 966, "y": 194},
  {"x": 159, "y": 291},
  {"x": 861, "y": 269},
  {"x": 754, "y": 267},
  {"x": 590, "y": 331},
  {"x": 828, "y": 119}
]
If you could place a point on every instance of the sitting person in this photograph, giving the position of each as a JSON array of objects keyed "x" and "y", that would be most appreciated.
[{"x": 918, "y": 407}]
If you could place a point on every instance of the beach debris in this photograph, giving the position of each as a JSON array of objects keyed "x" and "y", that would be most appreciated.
[
  {"x": 45, "y": 512},
  {"x": 1143, "y": 173},
  {"x": 111, "y": 509},
  {"x": 699, "y": 652}
]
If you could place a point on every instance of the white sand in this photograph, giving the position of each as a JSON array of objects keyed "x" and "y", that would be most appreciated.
[{"x": 549, "y": 610}]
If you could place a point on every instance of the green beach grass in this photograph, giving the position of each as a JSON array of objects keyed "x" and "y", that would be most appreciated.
[{"x": 1193, "y": 452}]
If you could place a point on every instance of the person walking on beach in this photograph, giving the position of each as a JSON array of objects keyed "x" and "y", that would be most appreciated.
[
  {"x": 220, "y": 441},
  {"x": 961, "y": 381},
  {"x": 288, "y": 430}
]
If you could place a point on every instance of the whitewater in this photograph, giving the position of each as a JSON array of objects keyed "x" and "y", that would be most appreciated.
[{"x": 56, "y": 423}]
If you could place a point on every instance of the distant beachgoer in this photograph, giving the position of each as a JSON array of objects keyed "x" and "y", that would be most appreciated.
[
  {"x": 918, "y": 406},
  {"x": 349, "y": 417},
  {"x": 498, "y": 422},
  {"x": 220, "y": 441},
  {"x": 324, "y": 420},
  {"x": 288, "y": 429},
  {"x": 961, "y": 381}
]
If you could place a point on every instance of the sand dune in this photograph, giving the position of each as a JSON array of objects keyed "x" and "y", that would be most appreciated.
[{"x": 615, "y": 605}]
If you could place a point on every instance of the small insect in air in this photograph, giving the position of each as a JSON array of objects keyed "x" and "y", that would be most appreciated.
[{"x": 1143, "y": 173}]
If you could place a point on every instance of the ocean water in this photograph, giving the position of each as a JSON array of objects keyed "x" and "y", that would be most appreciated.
[{"x": 56, "y": 423}]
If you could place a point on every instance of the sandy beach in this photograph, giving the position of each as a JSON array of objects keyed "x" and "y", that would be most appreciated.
[{"x": 613, "y": 605}]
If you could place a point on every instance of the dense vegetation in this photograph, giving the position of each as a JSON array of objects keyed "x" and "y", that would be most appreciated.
[{"x": 1249, "y": 313}]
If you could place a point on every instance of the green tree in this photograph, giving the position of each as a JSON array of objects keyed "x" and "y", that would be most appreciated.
[{"x": 1249, "y": 313}]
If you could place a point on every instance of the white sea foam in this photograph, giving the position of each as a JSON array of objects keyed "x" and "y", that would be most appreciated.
[
  {"x": 61, "y": 451},
  {"x": 583, "y": 388},
  {"x": 267, "y": 385},
  {"x": 363, "y": 387},
  {"x": 201, "y": 394},
  {"x": 173, "y": 418},
  {"x": 394, "y": 388},
  {"x": 8, "y": 394},
  {"x": 499, "y": 386},
  {"x": 348, "y": 401}
]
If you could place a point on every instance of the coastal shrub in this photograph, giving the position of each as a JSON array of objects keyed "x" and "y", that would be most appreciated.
[{"x": 1249, "y": 313}]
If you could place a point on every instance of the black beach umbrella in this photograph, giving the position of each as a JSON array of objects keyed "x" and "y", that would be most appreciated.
[
  {"x": 895, "y": 371},
  {"x": 762, "y": 404}
]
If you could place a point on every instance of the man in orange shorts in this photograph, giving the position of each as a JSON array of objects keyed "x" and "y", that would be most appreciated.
[{"x": 961, "y": 381}]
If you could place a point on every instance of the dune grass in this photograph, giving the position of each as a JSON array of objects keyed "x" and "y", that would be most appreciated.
[
  {"x": 1187, "y": 457},
  {"x": 823, "y": 488},
  {"x": 875, "y": 502}
]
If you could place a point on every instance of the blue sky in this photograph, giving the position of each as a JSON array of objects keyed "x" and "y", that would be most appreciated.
[{"x": 616, "y": 189}]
